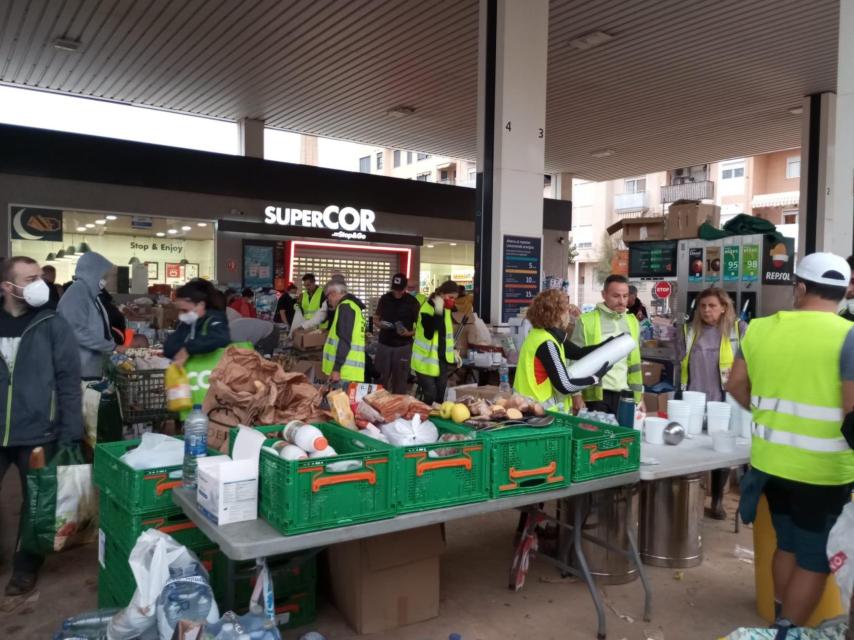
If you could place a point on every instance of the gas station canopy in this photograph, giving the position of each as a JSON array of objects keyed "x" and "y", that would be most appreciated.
[{"x": 633, "y": 86}]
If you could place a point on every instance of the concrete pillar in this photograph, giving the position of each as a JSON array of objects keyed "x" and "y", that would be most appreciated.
[
  {"x": 250, "y": 137},
  {"x": 827, "y": 156},
  {"x": 308, "y": 152},
  {"x": 563, "y": 186},
  {"x": 513, "y": 40}
]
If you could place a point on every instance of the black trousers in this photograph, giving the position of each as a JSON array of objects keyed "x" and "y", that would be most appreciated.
[
  {"x": 433, "y": 389},
  {"x": 24, "y": 562},
  {"x": 609, "y": 403}
]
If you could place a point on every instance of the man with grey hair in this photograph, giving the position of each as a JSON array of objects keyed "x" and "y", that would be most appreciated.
[{"x": 344, "y": 351}]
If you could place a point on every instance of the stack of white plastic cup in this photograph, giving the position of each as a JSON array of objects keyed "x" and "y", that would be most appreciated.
[
  {"x": 717, "y": 417},
  {"x": 679, "y": 411},
  {"x": 740, "y": 421},
  {"x": 697, "y": 401}
]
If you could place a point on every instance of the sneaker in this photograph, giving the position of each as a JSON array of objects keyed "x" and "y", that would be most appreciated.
[{"x": 21, "y": 583}]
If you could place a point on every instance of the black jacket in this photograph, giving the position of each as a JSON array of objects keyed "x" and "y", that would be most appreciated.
[
  {"x": 43, "y": 389},
  {"x": 207, "y": 334}
]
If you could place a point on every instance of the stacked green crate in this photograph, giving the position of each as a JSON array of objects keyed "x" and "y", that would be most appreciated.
[
  {"x": 133, "y": 501},
  {"x": 294, "y": 578}
]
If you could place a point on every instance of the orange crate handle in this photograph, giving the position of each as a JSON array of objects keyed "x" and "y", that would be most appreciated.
[
  {"x": 184, "y": 526},
  {"x": 422, "y": 466},
  {"x": 369, "y": 476},
  {"x": 595, "y": 454},
  {"x": 548, "y": 470},
  {"x": 163, "y": 487}
]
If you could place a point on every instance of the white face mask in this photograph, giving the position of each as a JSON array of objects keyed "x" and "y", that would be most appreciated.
[
  {"x": 188, "y": 317},
  {"x": 102, "y": 284},
  {"x": 35, "y": 293}
]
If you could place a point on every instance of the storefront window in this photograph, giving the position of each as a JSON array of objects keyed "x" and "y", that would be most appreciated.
[
  {"x": 173, "y": 249},
  {"x": 443, "y": 260}
]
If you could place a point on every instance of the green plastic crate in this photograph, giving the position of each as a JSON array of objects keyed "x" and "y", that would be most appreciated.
[
  {"x": 128, "y": 526},
  {"x": 110, "y": 593},
  {"x": 425, "y": 482},
  {"x": 291, "y": 573},
  {"x": 527, "y": 459},
  {"x": 298, "y": 496},
  {"x": 296, "y": 609},
  {"x": 600, "y": 450},
  {"x": 142, "y": 490}
]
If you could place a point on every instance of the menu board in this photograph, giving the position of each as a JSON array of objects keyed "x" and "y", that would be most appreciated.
[
  {"x": 749, "y": 263},
  {"x": 258, "y": 265},
  {"x": 652, "y": 259},
  {"x": 731, "y": 263},
  {"x": 520, "y": 281}
]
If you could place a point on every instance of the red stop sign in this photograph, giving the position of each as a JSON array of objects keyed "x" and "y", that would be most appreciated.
[{"x": 663, "y": 290}]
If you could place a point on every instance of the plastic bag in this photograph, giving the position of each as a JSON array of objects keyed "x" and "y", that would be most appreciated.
[
  {"x": 154, "y": 559},
  {"x": 840, "y": 553},
  {"x": 155, "y": 450},
  {"x": 404, "y": 433},
  {"x": 62, "y": 508}
]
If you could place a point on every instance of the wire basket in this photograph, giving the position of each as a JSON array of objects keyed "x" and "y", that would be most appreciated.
[{"x": 142, "y": 394}]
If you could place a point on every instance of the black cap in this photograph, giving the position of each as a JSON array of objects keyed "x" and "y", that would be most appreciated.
[{"x": 398, "y": 282}]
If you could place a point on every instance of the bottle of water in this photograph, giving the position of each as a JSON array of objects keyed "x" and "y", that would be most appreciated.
[
  {"x": 195, "y": 443},
  {"x": 187, "y": 596},
  {"x": 504, "y": 378}
]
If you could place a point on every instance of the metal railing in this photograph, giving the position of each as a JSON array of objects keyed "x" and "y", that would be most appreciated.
[
  {"x": 701, "y": 190},
  {"x": 626, "y": 202}
]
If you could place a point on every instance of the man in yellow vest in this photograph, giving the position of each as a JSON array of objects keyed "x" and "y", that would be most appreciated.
[
  {"x": 344, "y": 351},
  {"x": 608, "y": 319},
  {"x": 795, "y": 372},
  {"x": 311, "y": 298}
]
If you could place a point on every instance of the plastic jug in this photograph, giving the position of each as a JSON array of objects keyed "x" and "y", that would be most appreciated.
[
  {"x": 307, "y": 437},
  {"x": 178, "y": 392}
]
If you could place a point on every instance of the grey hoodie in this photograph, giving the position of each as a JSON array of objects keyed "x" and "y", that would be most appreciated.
[{"x": 84, "y": 312}]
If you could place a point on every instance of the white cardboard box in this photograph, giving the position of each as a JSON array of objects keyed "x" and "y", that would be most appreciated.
[{"x": 227, "y": 488}]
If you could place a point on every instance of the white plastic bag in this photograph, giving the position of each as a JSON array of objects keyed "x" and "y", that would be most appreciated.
[
  {"x": 405, "y": 433},
  {"x": 153, "y": 555},
  {"x": 155, "y": 450},
  {"x": 840, "y": 553}
]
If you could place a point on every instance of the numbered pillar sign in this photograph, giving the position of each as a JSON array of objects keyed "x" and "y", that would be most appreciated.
[{"x": 521, "y": 274}]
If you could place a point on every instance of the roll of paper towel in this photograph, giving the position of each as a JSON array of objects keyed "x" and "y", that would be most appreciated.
[{"x": 615, "y": 350}]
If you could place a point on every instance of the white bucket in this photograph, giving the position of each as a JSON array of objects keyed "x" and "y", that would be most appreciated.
[{"x": 653, "y": 430}]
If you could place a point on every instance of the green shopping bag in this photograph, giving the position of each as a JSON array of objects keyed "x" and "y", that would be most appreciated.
[
  {"x": 62, "y": 508},
  {"x": 199, "y": 369}
]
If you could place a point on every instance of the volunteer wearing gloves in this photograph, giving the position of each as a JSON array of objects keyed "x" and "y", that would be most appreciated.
[
  {"x": 433, "y": 349},
  {"x": 204, "y": 325},
  {"x": 43, "y": 406},
  {"x": 707, "y": 349},
  {"x": 83, "y": 310},
  {"x": 344, "y": 351},
  {"x": 319, "y": 319},
  {"x": 795, "y": 373},
  {"x": 311, "y": 300},
  {"x": 541, "y": 372},
  {"x": 609, "y": 319}
]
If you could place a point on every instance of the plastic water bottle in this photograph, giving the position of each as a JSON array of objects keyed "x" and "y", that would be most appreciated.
[
  {"x": 186, "y": 597},
  {"x": 228, "y": 632},
  {"x": 195, "y": 443},
  {"x": 504, "y": 378}
]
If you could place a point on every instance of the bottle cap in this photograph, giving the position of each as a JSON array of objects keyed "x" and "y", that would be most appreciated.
[{"x": 320, "y": 443}]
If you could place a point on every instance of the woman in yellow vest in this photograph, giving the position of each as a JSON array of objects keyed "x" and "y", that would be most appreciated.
[
  {"x": 433, "y": 347},
  {"x": 541, "y": 371},
  {"x": 708, "y": 348}
]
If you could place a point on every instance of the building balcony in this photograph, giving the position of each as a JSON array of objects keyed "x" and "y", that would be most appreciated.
[
  {"x": 631, "y": 202},
  {"x": 700, "y": 190}
]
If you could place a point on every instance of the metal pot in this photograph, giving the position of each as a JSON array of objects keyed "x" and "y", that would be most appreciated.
[{"x": 674, "y": 433}]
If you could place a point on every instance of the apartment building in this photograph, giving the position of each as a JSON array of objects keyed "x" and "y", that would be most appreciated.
[{"x": 415, "y": 165}]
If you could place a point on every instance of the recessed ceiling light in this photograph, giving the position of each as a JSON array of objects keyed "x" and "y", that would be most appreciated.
[
  {"x": 160, "y": 234},
  {"x": 431, "y": 246},
  {"x": 602, "y": 153},
  {"x": 796, "y": 111},
  {"x": 81, "y": 229},
  {"x": 201, "y": 224},
  {"x": 400, "y": 111},
  {"x": 100, "y": 222},
  {"x": 90, "y": 226},
  {"x": 590, "y": 40},
  {"x": 186, "y": 228},
  {"x": 453, "y": 244},
  {"x": 172, "y": 231},
  {"x": 111, "y": 217},
  {"x": 65, "y": 44}
]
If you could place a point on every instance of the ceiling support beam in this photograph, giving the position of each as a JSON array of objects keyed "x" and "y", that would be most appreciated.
[{"x": 251, "y": 137}]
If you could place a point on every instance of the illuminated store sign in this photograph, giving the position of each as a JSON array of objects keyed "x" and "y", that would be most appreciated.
[{"x": 345, "y": 222}]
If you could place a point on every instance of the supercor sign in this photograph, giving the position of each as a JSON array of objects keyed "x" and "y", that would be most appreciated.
[{"x": 345, "y": 222}]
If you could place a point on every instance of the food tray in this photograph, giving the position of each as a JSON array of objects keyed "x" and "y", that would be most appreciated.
[
  {"x": 126, "y": 527},
  {"x": 142, "y": 394},
  {"x": 599, "y": 449},
  {"x": 141, "y": 490},
  {"x": 424, "y": 482},
  {"x": 298, "y": 496}
]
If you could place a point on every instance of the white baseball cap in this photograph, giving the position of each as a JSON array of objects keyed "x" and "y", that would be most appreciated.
[{"x": 824, "y": 268}]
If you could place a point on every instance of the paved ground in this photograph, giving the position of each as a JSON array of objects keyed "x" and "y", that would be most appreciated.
[{"x": 702, "y": 603}]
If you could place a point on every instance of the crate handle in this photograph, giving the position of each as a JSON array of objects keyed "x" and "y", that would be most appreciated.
[
  {"x": 423, "y": 466},
  {"x": 163, "y": 487},
  {"x": 173, "y": 528},
  {"x": 548, "y": 470},
  {"x": 595, "y": 454},
  {"x": 369, "y": 475}
]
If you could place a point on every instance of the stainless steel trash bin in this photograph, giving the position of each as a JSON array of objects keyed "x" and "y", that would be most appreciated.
[
  {"x": 671, "y": 521},
  {"x": 610, "y": 512}
]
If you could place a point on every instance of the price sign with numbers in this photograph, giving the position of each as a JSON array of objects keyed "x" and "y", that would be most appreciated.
[
  {"x": 750, "y": 263},
  {"x": 520, "y": 282},
  {"x": 731, "y": 263}
]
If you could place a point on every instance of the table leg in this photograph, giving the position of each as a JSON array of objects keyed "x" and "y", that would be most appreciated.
[
  {"x": 229, "y": 603},
  {"x": 647, "y": 589},
  {"x": 578, "y": 526}
]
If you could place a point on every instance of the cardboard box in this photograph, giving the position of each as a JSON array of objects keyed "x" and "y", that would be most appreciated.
[
  {"x": 642, "y": 229},
  {"x": 657, "y": 402},
  {"x": 651, "y": 373},
  {"x": 388, "y": 581},
  {"x": 218, "y": 436},
  {"x": 305, "y": 340},
  {"x": 228, "y": 486},
  {"x": 684, "y": 220}
]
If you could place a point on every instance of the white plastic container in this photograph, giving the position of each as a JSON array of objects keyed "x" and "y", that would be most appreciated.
[
  {"x": 612, "y": 352},
  {"x": 723, "y": 442},
  {"x": 679, "y": 411},
  {"x": 306, "y": 436},
  {"x": 697, "y": 401},
  {"x": 292, "y": 452},
  {"x": 717, "y": 417},
  {"x": 327, "y": 452},
  {"x": 653, "y": 430}
]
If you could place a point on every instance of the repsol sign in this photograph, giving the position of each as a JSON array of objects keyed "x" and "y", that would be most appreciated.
[{"x": 344, "y": 222}]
